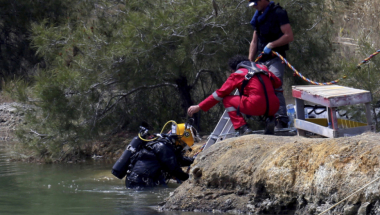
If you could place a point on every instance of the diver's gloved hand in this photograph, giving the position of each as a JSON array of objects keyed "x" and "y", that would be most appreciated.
[
  {"x": 268, "y": 48},
  {"x": 190, "y": 160},
  {"x": 186, "y": 161}
]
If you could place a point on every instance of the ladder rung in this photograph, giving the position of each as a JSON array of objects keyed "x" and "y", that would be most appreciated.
[
  {"x": 214, "y": 136},
  {"x": 225, "y": 134}
]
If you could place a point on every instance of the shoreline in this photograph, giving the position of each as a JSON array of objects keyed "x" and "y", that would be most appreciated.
[{"x": 258, "y": 174}]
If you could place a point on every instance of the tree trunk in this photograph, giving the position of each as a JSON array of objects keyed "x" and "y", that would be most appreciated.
[{"x": 186, "y": 101}]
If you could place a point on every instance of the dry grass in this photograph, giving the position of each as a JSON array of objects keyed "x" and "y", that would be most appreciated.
[
  {"x": 358, "y": 21},
  {"x": 5, "y": 98}
]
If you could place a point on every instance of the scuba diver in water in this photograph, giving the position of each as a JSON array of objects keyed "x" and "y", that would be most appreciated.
[{"x": 153, "y": 161}]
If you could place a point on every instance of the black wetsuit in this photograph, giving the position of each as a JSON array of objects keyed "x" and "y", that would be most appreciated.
[{"x": 154, "y": 162}]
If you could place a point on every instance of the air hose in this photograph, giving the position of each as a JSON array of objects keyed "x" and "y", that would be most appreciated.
[{"x": 157, "y": 135}]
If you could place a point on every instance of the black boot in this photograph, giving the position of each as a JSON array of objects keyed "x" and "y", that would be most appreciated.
[
  {"x": 243, "y": 130},
  {"x": 281, "y": 122},
  {"x": 269, "y": 125}
]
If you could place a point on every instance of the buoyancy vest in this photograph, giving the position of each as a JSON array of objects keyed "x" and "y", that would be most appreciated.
[
  {"x": 134, "y": 151},
  {"x": 155, "y": 158},
  {"x": 269, "y": 30}
]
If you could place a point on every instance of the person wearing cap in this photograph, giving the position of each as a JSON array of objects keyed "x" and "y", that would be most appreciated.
[
  {"x": 272, "y": 31},
  {"x": 258, "y": 96}
]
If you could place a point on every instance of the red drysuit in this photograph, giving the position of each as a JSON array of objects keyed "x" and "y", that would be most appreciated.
[{"x": 253, "y": 101}]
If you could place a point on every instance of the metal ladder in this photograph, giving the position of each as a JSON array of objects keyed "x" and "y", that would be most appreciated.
[{"x": 223, "y": 130}]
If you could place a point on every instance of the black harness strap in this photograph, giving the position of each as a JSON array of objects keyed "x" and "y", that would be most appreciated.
[
  {"x": 253, "y": 70},
  {"x": 241, "y": 91},
  {"x": 266, "y": 95}
]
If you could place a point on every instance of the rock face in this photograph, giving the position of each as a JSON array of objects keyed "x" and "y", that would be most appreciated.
[
  {"x": 11, "y": 115},
  {"x": 260, "y": 174}
]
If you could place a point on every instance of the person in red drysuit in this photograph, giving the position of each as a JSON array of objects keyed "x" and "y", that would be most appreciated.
[{"x": 253, "y": 101}]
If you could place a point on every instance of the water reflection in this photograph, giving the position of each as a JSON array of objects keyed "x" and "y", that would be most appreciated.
[{"x": 85, "y": 188}]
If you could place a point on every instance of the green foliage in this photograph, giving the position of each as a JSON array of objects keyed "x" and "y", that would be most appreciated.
[
  {"x": 313, "y": 24},
  {"x": 357, "y": 38},
  {"x": 112, "y": 64},
  {"x": 365, "y": 77},
  {"x": 17, "y": 58}
]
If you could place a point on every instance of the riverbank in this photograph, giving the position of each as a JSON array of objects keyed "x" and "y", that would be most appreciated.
[
  {"x": 12, "y": 115},
  {"x": 107, "y": 147},
  {"x": 260, "y": 174},
  {"x": 256, "y": 173}
]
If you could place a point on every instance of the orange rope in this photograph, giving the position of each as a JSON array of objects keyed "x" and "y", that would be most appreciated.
[{"x": 298, "y": 73}]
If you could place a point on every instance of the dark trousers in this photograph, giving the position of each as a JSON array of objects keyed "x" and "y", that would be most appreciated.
[{"x": 276, "y": 66}]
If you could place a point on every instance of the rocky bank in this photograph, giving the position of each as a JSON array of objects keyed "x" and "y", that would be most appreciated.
[
  {"x": 11, "y": 115},
  {"x": 257, "y": 174}
]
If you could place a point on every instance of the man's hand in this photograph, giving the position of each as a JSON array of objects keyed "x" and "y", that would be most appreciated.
[
  {"x": 268, "y": 48},
  {"x": 193, "y": 109}
]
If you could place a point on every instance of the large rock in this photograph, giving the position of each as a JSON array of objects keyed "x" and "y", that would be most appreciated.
[
  {"x": 11, "y": 115},
  {"x": 283, "y": 175}
]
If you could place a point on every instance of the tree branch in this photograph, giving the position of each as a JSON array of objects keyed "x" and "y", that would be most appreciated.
[
  {"x": 147, "y": 87},
  {"x": 197, "y": 76},
  {"x": 109, "y": 106},
  {"x": 38, "y": 134}
]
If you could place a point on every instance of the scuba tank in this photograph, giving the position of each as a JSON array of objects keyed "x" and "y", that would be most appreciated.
[{"x": 119, "y": 169}]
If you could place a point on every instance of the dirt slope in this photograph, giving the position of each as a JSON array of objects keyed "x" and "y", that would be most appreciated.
[{"x": 283, "y": 175}]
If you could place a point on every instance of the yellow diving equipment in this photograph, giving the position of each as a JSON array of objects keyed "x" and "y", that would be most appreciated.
[{"x": 187, "y": 134}]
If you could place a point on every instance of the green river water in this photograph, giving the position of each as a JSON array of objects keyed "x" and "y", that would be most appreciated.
[{"x": 84, "y": 188}]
